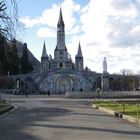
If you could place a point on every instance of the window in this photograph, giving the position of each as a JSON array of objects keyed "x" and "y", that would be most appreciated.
[
  {"x": 61, "y": 65},
  {"x": 60, "y": 53}
]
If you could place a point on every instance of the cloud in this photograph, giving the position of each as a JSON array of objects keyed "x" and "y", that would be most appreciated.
[
  {"x": 105, "y": 28},
  {"x": 121, "y": 4},
  {"x": 69, "y": 8},
  {"x": 44, "y": 32},
  {"x": 29, "y": 22},
  {"x": 114, "y": 26}
]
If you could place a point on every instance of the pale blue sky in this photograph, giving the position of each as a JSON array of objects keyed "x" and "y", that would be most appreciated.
[{"x": 105, "y": 28}]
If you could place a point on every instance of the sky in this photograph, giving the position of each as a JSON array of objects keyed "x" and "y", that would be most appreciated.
[{"x": 105, "y": 28}]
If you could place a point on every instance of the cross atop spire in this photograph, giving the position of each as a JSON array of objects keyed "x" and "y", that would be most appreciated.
[
  {"x": 79, "y": 53},
  {"x": 44, "y": 53}
]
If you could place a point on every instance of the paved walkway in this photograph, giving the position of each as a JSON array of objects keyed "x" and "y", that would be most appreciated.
[{"x": 62, "y": 119}]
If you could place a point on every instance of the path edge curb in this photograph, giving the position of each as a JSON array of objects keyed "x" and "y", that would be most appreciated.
[
  {"x": 8, "y": 110},
  {"x": 117, "y": 114}
]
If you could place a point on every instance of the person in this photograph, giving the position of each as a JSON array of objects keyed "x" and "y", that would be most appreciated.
[
  {"x": 98, "y": 92},
  {"x": 49, "y": 93},
  {"x": 59, "y": 92},
  {"x": 26, "y": 93},
  {"x": 81, "y": 89}
]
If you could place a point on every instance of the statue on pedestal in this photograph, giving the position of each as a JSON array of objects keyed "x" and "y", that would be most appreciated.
[{"x": 105, "y": 81}]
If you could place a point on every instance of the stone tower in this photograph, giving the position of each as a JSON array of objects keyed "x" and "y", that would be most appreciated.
[
  {"x": 44, "y": 59},
  {"x": 79, "y": 59},
  {"x": 60, "y": 52}
]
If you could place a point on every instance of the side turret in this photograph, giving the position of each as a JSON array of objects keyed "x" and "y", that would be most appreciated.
[
  {"x": 44, "y": 59},
  {"x": 79, "y": 59}
]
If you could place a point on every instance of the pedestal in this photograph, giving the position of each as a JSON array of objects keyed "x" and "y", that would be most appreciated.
[{"x": 105, "y": 82}]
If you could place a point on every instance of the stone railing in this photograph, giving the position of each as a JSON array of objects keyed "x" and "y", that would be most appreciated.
[
  {"x": 120, "y": 94},
  {"x": 81, "y": 94},
  {"x": 106, "y": 94}
]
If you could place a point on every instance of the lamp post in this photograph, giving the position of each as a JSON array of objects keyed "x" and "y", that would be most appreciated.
[
  {"x": 134, "y": 84},
  {"x": 19, "y": 68}
]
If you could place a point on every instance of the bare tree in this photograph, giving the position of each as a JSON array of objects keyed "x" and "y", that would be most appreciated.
[
  {"x": 129, "y": 80},
  {"x": 126, "y": 72},
  {"x": 9, "y": 22}
]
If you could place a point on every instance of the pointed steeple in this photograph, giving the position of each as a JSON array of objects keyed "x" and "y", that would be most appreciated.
[
  {"x": 79, "y": 53},
  {"x": 60, "y": 50},
  {"x": 60, "y": 20},
  {"x": 79, "y": 59},
  {"x": 44, "y": 53}
]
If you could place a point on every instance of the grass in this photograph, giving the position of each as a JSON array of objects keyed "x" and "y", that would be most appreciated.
[
  {"x": 127, "y": 108},
  {"x": 3, "y": 105}
]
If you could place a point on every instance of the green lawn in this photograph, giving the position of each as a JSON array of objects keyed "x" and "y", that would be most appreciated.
[
  {"x": 127, "y": 108},
  {"x": 3, "y": 105}
]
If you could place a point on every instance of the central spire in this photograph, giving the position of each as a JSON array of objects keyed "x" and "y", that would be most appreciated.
[
  {"x": 60, "y": 24},
  {"x": 60, "y": 52}
]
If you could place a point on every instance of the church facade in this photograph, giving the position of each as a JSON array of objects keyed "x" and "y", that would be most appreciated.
[{"x": 61, "y": 74}]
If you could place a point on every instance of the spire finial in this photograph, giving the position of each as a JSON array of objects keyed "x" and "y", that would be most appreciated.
[{"x": 79, "y": 44}]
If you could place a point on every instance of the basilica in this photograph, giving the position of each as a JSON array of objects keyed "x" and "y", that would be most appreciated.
[{"x": 61, "y": 74}]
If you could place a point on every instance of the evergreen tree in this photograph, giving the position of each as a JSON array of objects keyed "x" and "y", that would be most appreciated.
[
  {"x": 14, "y": 59},
  {"x": 26, "y": 66},
  {"x": 3, "y": 55}
]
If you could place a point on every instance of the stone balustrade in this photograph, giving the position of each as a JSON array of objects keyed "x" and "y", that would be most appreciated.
[{"x": 106, "y": 94}]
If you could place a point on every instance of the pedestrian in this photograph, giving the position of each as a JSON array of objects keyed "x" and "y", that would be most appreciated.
[
  {"x": 49, "y": 93},
  {"x": 26, "y": 93}
]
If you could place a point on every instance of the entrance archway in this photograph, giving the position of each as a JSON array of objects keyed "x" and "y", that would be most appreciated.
[{"x": 64, "y": 83}]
